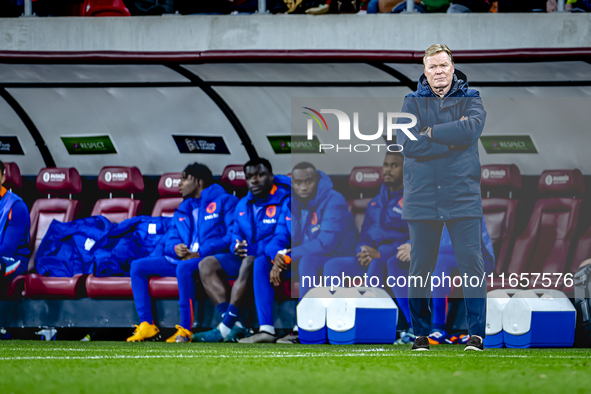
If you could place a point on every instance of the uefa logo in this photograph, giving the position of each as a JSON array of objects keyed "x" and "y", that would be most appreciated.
[
  {"x": 46, "y": 177},
  {"x": 108, "y": 176}
]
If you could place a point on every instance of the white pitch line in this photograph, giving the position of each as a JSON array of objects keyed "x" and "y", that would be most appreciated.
[{"x": 318, "y": 355}]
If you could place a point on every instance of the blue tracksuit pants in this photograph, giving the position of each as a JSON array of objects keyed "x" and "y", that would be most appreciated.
[
  {"x": 309, "y": 265},
  {"x": 185, "y": 272},
  {"x": 425, "y": 238}
]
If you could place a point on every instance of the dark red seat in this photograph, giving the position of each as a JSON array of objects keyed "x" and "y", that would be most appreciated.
[
  {"x": 165, "y": 287},
  {"x": 38, "y": 286},
  {"x": 13, "y": 176},
  {"x": 108, "y": 287},
  {"x": 98, "y": 8},
  {"x": 119, "y": 179},
  {"x": 363, "y": 179},
  {"x": 545, "y": 244},
  {"x": 170, "y": 196},
  {"x": 500, "y": 182},
  {"x": 53, "y": 181},
  {"x": 234, "y": 180}
]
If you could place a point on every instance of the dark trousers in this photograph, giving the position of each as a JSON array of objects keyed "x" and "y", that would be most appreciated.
[{"x": 425, "y": 236}]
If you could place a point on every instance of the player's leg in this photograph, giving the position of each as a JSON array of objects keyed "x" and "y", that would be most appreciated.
[
  {"x": 445, "y": 265},
  {"x": 185, "y": 273},
  {"x": 376, "y": 272},
  {"x": 424, "y": 238},
  {"x": 398, "y": 281},
  {"x": 263, "y": 297},
  {"x": 140, "y": 272},
  {"x": 215, "y": 272},
  {"x": 345, "y": 268},
  {"x": 465, "y": 237}
]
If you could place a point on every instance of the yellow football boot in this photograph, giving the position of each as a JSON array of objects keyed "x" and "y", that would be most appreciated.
[
  {"x": 181, "y": 335},
  {"x": 144, "y": 331}
]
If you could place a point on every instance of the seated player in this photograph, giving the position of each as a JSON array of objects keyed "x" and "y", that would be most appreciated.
[
  {"x": 255, "y": 221},
  {"x": 323, "y": 228},
  {"x": 446, "y": 264},
  {"x": 384, "y": 242},
  {"x": 14, "y": 233},
  {"x": 201, "y": 228}
]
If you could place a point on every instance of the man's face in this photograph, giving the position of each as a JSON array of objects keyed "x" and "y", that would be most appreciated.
[
  {"x": 392, "y": 170},
  {"x": 188, "y": 185},
  {"x": 439, "y": 70},
  {"x": 259, "y": 180},
  {"x": 304, "y": 183}
]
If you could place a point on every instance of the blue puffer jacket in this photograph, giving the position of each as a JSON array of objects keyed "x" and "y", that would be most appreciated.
[
  {"x": 255, "y": 220},
  {"x": 488, "y": 254},
  {"x": 383, "y": 227},
  {"x": 282, "y": 238},
  {"x": 203, "y": 224},
  {"x": 325, "y": 226},
  {"x": 442, "y": 174}
]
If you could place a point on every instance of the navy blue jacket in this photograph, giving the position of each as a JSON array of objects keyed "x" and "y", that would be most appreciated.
[
  {"x": 324, "y": 226},
  {"x": 442, "y": 173},
  {"x": 255, "y": 220},
  {"x": 282, "y": 238},
  {"x": 383, "y": 227},
  {"x": 203, "y": 224}
]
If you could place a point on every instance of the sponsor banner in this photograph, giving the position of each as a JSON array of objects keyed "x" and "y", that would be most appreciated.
[
  {"x": 201, "y": 144},
  {"x": 508, "y": 144},
  {"x": 9, "y": 145},
  {"x": 493, "y": 174},
  {"x": 557, "y": 179},
  {"x": 54, "y": 177},
  {"x": 294, "y": 144},
  {"x": 95, "y": 145}
]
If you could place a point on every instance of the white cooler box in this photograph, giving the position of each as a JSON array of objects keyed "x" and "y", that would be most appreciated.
[
  {"x": 361, "y": 315},
  {"x": 311, "y": 316},
  {"x": 496, "y": 301},
  {"x": 539, "y": 318}
]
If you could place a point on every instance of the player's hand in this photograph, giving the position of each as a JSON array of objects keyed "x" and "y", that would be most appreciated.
[
  {"x": 240, "y": 248},
  {"x": 191, "y": 256},
  {"x": 403, "y": 253},
  {"x": 274, "y": 276},
  {"x": 463, "y": 118},
  {"x": 181, "y": 250},
  {"x": 367, "y": 254},
  {"x": 279, "y": 260}
]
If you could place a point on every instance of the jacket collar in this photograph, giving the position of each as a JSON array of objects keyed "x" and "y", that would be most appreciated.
[{"x": 459, "y": 83}]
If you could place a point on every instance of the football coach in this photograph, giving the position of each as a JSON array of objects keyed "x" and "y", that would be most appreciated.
[{"x": 442, "y": 186}]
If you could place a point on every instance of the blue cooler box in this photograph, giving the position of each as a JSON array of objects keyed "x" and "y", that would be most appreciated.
[
  {"x": 496, "y": 301},
  {"x": 361, "y": 315},
  {"x": 539, "y": 318},
  {"x": 311, "y": 316}
]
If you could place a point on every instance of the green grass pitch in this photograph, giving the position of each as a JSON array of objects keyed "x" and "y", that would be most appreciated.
[{"x": 157, "y": 367}]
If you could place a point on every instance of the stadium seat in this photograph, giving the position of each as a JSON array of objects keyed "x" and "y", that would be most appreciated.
[
  {"x": 13, "y": 176},
  {"x": 108, "y": 287},
  {"x": 165, "y": 287},
  {"x": 38, "y": 286},
  {"x": 60, "y": 181},
  {"x": 98, "y": 8},
  {"x": 234, "y": 180},
  {"x": 544, "y": 245},
  {"x": 170, "y": 196},
  {"x": 119, "y": 179},
  {"x": 499, "y": 212},
  {"x": 363, "y": 179}
]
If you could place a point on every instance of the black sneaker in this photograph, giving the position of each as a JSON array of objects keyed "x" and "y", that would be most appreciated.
[
  {"x": 421, "y": 343},
  {"x": 475, "y": 343}
]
